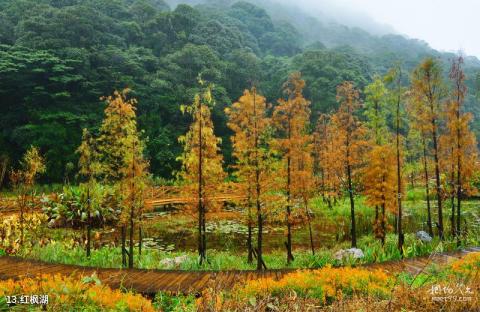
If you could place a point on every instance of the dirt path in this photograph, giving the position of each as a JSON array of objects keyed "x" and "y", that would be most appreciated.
[{"x": 152, "y": 281}]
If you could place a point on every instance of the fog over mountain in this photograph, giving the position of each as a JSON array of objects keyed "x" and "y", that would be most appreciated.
[{"x": 444, "y": 25}]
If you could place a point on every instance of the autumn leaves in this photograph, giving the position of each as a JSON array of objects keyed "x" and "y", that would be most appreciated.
[{"x": 282, "y": 161}]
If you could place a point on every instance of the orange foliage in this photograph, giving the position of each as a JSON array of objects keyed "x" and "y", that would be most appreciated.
[
  {"x": 327, "y": 284},
  {"x": 291, "y": 117},
  {"x": 247, "y": 119},
  {"x": 380, "y": 183},
  {"x": 68, "y": 293},
  {"x": 212, "y": 174},
  {"x": 350, "y": 135},
  {"x": 328, "y": 163}
]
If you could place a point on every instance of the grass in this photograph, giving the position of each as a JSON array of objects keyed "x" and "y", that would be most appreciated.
[
  {"x": 68, "y": 252},
  {"x": 344, "y": 289}
]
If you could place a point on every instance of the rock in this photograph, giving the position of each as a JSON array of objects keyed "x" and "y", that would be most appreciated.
[
  {"x": 354, "y": 253},
  {"x": 51, "y": 223},
  {"x": 173, "y": 262},
  {"x": 423, "y": 236}
]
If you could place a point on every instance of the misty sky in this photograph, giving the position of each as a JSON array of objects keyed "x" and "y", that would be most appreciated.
[{"x": 448, "y": 25}]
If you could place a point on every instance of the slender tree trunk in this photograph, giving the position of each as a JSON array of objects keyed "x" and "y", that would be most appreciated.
[
  {"x": 132, "y": 231},
  {"x": 399, "y": 170},
  {"x": 3, "y": 171},
  {"x": 452, "y": 198},
  {"x": 140, "y": 238},
  {"x": 201, "y": 208},
  {"x": 382, "y": 221},
  {"x": 89, "y": 222},
  {"x": 350, "y": 193},
  {"x": 22, "y": 222},
  {"x": 309, "y": 220},
  {"x": 427, "y": 189},
  {"x": 260, "y": 263},
  {"x": 459, "y": 173},
  {"x": 382, "y": 224},
  {"x": 124, "y": 238},
  {"x": 289, "y": 213},
  {"x": 352, "y": 206},
  {"x": 437, "y": 178},
  {"x": 249, "y": 238}
]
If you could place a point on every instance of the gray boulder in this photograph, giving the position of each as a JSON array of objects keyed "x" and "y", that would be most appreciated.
[
  {"x": 354, "y": 253},
  {"x": 423, "y": 236},
  {"x": 173, "y": 262}
]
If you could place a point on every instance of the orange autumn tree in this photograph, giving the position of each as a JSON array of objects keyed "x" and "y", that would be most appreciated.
[
  {"x": 134, "y": 184},
  {"x": 291, "y": 119},
  {"x": 419, "y": 132},
  {"x": 397, "y": 97},
  {"x": 319, "y": 154},
  {"x": 118, "y": 147},
  {"x": 350, "y": 142},
  {"x": 428, "y": 89},
  {"x": 379, "y": 177},
  {"x": 380, "y": 185},
  {"x": 327, "y": 161},
  {"x": 459, "y": 146},
  {"x": 202, "y": 172},
  {"x": 248, "y": 120}
]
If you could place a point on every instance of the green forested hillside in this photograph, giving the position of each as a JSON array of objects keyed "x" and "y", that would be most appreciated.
[{"x": 58, "y": 57}]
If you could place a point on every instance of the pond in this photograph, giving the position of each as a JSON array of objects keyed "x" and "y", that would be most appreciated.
[{"x": 172, "y": 230}]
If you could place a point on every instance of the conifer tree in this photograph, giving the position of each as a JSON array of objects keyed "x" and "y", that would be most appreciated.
[
  {"x": 249, "y": 122},
  {"x": 462, "y": 144},
  {"x": 350, "y": 138},
  {"x": 428, "y": 89},
  {"x": 90, "y": 169},
  {"x": 328, "y": 160},
  {"x": 419, "y": 132},
  {"x": 202, "y": 171},
  {"x": 375, "y": 177},
  {"x": 397, "y": 93},
  {"x": 291, "y": 119},
  {"x": 120, "y": 157}
]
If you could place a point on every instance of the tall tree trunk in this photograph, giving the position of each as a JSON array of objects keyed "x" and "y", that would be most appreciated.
[
  {"x": 289, "y": 213},
  {"x": 132, "y": 231},
  {"x": 3, "y": 170},
  {"x": 353, "y": 230},
  {"x": 124, "y": 238},
  {"x": 249, "y": 238},
  {"x": 427, "y": 189},
  {"x": 22, "y": 219},
  {"x": 201, "y": 208},
  {"x": 309, "y": 220},
  {"x": 437, "y": 178},
  {"x": 260, "y": 263},
  {"x": 459, "y": 172},
  {"x": 250, "y": 225},
  {"x": 399, "y": 169},
  {"x": 452, "y": 198},
  {"x": 352, "y": 207},
  {"x": 140, "y": 238},
  {"x": 382, "y": 221},
  {"x": 89, "y": 222}
]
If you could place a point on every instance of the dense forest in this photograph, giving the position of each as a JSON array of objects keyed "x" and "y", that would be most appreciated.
[{"x": 59, "y": 57}]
